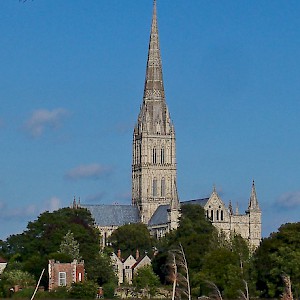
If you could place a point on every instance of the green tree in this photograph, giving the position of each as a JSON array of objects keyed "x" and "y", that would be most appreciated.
[
  {"x": 197, "y": 236},
  {"x": 17, "y": 277},
  {"x": 102, "y": 270},
  {"x": 278, "y": 254},
  {"x": 70, "y": 246},
  {"x": 146, "y": 279},
  {"x": 132, "y": 237},
  {"x": 42, "y": 238}
]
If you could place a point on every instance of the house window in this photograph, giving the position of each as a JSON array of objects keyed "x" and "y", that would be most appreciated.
[
  {"x": 154, "y": 187},
  {"x": 163, "y": 187},
  {"x": 62, "y": 279}
]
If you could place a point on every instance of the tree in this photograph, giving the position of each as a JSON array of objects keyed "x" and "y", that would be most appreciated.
[
  {"x": 146, "y": 279},
  {"x": 17, "y": 277},
  {"x": 102, "y": 270},
  {"x": 70, "y": 246},
  {"x": 196, "y": 234},
  {"x": 278, "y": 254},
  {"x": 42, "y": 239},
  {"x": 132, "y": 237}
]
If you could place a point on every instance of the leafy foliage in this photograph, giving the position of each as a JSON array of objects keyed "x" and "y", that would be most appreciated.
[
  {"x": 146, "y": 279},
  {"x": 132, "y": 237},
  {"x": 32, "y": 249},
  {"x": 17, "y": 277},
  {"x": 278, "y": 254},
  {"x": 195, "y": 234},
  {"x": 70, "y": 247},
  {"x": 83, "y": 290},
  {"x": 102, "y": 271}
]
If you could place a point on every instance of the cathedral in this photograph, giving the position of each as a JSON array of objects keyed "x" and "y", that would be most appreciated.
[{"x": 155, "y": 200}]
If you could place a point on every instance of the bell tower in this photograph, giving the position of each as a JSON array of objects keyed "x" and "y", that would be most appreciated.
[{"x": 154, "y": 153}]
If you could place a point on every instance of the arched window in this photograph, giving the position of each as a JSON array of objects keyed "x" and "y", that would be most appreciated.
[
  {"x": 212, "y": 215},
  {"x": 162, "y": 155},
  {"x": 163, "y": 187},
  {"x": 140, "y": 153},
  {"x": 154, "y": 155},
  {"x": 154, "y": 187},
  {"x": 222, "y": 216},
  {"x": 217, "y": 217}
]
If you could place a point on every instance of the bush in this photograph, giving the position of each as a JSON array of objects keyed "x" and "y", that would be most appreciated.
[
  {"x": 109, "y": 290},
  {"x": 83, "y": 290}
]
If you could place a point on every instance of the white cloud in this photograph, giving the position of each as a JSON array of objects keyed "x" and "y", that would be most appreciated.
[
  {"x": 42, "y": 118},
  {"x": 91, "y": 171},
  {"x": 289, "y": 200},
  {"x": 52, "y": 204}
]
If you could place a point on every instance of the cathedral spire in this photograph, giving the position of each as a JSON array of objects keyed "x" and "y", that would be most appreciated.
[
  {"x": 154, "y": 88},
  {"x": 253, "y": 202}
]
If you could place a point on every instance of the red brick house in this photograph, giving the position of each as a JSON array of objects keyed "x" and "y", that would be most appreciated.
[{"x": 64, "y": 274}]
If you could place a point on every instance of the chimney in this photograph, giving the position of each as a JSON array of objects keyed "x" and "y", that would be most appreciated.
[
  {"x": 137, "y": 254},
  {"x": 119, "y": 254}
]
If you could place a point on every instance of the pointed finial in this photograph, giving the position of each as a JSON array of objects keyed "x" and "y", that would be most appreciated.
[
  {"x": 230, "y": 208},
  {"x": 237, "y": 208},
  {"x": 214, "y": 189},
  {"x": 253, "y": 202}
]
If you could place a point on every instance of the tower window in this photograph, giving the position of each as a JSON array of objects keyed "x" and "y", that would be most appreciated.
[
  {"x": 154, "y": 155},
  {"x": 163, "y": 187},
  {"x": 217, "y": 217},
  {"x": 222, "y": 216},
  {"x": 162, "y": 155},
  {"x": 154, "y": 187},
  {"x": 212, "y": 215}
]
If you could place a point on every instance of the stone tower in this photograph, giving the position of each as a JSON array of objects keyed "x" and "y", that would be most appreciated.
[
  {"x": 254, "y": 212},
  {"x": 154, "y": 156}
]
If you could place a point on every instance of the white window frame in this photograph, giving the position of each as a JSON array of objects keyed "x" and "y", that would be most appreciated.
[{"x": 62, "y": 278}]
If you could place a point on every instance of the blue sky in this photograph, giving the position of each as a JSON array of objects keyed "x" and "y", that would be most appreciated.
[{"x": 71, "y": 84}]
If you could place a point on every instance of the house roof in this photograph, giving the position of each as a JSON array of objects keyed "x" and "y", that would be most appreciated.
[
  {"x": 201, "y": 202},
  {"x": 113, "y": 215},
  {"x": 160, "y": 216},
  {"x": 141, "y": 259}
]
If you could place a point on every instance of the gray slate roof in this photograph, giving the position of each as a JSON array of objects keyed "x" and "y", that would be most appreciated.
[
  {"x": 201, "y": 202},
  {"x": 160, "y": 216},
  {"x": 117, "y": 215}
]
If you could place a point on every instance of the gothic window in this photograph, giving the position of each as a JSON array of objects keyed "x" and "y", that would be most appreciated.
[
  {"x": 62, "y": 279},
  {"x": 207, "y": 214},
  {"x": 154, "y": 187},
  {"x": 163, "y": 187},
  {"x": 217, "y": 216},
  {"x": 154, "y": 155},
  {"x": 140, "y": 185},
  {"x": 140, "y": 153},
  {"x": 162, "y": 156},
  {"x": 212, "y": 215},
  {"x": 222, "y": 216}
]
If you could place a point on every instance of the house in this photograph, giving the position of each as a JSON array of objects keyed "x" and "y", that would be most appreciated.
[
  {"x": 64, "y": 274},
  {"x": 3, "y": 264},
  {"x": 125, "y": 269}
]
